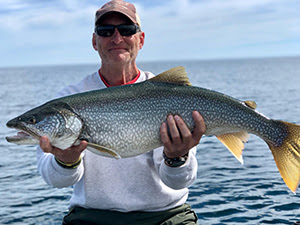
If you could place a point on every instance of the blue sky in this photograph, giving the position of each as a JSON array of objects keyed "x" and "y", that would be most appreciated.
[{"x": 47, "y": 32}]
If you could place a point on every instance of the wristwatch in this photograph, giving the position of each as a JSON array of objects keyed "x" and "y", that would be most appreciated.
[{"x": 175, "y": 162}]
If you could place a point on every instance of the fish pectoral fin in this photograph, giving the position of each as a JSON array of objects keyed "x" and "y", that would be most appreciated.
[
  {"x": 103, "y": 149},
  {"x": 234, "y": 142},
  {"x": 175, "y": 75}
]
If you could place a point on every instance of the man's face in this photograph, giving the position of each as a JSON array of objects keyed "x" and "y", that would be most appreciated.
[{"x": 117, "y": 48}]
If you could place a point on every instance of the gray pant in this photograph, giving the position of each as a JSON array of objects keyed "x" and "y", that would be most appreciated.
[{"x": 179, "y": 215}]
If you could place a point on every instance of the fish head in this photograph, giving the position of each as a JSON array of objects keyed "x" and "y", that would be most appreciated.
[{"x": 57, "y": 121}]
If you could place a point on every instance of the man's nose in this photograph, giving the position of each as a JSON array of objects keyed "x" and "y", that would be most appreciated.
[{"x": 117, "y": 37}]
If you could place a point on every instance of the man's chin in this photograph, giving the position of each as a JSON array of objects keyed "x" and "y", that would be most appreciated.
[{"x": 120, "y": 57}]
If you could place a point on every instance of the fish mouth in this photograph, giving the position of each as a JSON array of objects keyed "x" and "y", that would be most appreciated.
[
  {"x": 19, "y": 136},
  {"x": 23, "y": 138}
]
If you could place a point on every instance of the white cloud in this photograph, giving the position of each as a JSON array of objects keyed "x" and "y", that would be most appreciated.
[
  {"x": 39, "y": 15},
  {"x": 204, "y": 26},
  {"x": 12, "y": 5},
  {"x": 175, "y": 29}
]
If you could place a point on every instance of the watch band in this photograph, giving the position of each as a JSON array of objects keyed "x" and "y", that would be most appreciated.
[
  {"x": 175, "y": 162},
  {"x": 68, "y": 166}
]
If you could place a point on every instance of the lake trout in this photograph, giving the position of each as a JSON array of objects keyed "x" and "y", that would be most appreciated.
[{"x": 125, "y": 121}]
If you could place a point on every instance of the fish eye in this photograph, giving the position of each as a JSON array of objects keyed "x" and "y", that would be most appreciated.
[{"x": 32, "y": 120}]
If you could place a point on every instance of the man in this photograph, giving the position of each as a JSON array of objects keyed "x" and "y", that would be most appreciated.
[{"x": 147, "y": 189}]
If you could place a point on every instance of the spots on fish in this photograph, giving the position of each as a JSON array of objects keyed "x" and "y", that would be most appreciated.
[{"x": 136, "y": 114}]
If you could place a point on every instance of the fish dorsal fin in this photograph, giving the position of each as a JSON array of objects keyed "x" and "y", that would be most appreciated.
[
  {"x": 97, "y": 149},
  {"x": 176, "y": 75},
  {"x": 234, "y": 142},
  {"x": 250, "y": 104}
]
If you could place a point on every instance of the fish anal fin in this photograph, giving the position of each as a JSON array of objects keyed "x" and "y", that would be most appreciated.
[
  {"x": 234, "y": 142},
  {"x": 103, "y": 149},
  {"x": 287, "y": 156},
  {"x": 251, "y": 104},
  {"x": 175, "y": 75}
]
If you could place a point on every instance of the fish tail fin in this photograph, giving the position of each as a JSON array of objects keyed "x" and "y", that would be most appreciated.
[{"x": 287, "y": 156}]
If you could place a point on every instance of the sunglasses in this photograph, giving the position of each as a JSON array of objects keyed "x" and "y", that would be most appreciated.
[{"x": 124, "y": 30}]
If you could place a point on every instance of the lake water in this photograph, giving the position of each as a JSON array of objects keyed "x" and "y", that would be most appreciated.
[{"x": 225, "y": 191}]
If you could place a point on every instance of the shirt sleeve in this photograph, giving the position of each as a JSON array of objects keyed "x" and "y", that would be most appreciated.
[
  {"x": 177, "y": 177},
  {"x": 54, "y": 174}
]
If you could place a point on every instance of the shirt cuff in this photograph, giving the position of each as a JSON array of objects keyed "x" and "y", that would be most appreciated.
[{"x": 64, "y": 171}]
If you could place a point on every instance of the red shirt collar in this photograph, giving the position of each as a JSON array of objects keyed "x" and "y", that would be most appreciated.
[{"x": 130, "y": 82}]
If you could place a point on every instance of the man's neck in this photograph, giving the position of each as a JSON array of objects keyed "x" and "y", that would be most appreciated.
[{"x": 115, "y": 76}]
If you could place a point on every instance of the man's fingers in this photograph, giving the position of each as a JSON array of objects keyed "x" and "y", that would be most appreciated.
[
  {"x": 164, "y": 135},
  {"x": 45, "y": 145},
  {"x": 185, "y": 133},
  {"x": 200, "y": 127},
  {"x": 48, "y": 148},
  {"x": 181, "y": 140},
  {"x": 79, "y": 148},
  {"x": 175, "y": 135},
  {"x": 69, "y": 155}
]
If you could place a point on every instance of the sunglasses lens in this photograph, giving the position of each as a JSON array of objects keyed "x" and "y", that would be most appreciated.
[
  {"x": 124, "y": 30},
  {"x": 105, "y": 31},
  {"x": 127, "y": 30}
]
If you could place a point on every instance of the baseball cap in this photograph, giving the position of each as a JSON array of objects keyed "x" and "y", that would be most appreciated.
[{"x": 119, "y": 6}]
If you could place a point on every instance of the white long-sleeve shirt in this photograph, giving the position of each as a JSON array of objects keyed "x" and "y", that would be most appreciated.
[{"x": 141, "y": 183}]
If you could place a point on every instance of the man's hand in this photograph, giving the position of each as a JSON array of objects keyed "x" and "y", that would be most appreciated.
[
  {"x": 182, "y": 140},
  {"x": 69, "y": 155}
]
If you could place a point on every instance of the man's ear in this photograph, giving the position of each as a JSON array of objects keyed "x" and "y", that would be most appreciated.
[
  {"x": 94, "y": 42},
  {"x": 142, "y": 39}
]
